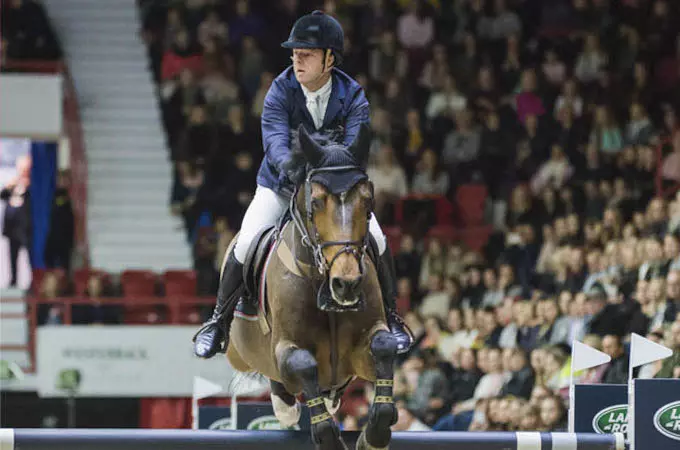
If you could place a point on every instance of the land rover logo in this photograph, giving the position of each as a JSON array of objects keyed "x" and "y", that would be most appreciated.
[
  {"x": 221, "y": 424},
  {"x": 611, "y": 420},
  {"x": 268, "y": 423},
  {"x": 667, "y": 420}
]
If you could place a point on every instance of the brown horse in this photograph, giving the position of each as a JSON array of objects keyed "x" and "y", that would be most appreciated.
[{"x": 324, "y": 322}]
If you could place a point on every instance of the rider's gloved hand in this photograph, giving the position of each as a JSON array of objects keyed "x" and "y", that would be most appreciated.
[{"x": 293, "y": 171}]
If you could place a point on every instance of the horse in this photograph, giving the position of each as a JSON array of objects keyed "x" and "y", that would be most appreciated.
[{"x": 322, "y": 317}]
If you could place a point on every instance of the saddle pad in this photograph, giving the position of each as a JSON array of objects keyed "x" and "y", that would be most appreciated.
[{"x": 255, "y": 276}]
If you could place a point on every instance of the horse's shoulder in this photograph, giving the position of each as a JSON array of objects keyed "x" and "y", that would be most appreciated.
[{"x": 287, "y": 254}]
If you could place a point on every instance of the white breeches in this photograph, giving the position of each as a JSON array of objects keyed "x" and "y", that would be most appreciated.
[{"x": 266, "y": 209}]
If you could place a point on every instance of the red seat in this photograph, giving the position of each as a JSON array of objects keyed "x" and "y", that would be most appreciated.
[
  {"x": 476, "y": 238},
  {"x": 180, "y": 283},
  {"x": 37, "y": 276},
  {"x": 393, "y": 235},
  {"x": 446, "y": 234},
  {"x": 470, "y": 204},
  {"x": 141, "y": 283}
]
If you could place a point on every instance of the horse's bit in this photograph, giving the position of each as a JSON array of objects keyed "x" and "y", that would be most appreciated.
[{"x": 313, "y": 240}]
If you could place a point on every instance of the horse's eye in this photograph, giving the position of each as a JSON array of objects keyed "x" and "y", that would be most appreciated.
[{"x": 318, "y": 204}]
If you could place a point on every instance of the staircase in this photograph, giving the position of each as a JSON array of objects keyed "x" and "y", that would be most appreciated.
[{"x": 129, "y": 174}]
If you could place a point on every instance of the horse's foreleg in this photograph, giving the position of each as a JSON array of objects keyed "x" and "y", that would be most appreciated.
[
  {"x": 383, "y": 413},
  {"x": 286, "y": 407},
  {"x": 300, "y": 368}
]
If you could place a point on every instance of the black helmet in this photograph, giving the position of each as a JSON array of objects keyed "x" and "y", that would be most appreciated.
[{"x": 317, "y": 30}]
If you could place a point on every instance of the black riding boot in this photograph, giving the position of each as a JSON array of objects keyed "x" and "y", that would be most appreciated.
[
  {"x": 208, "y": 340},
  {"x": 388, "y": 285}
]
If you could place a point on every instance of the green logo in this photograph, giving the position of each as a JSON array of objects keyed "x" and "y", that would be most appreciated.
[
  {"x": 268, "y": 423},
  {"x": 611, "y": 420},
  {"x": 667, "y": 420},
  {"x": 221, "y": 424}
]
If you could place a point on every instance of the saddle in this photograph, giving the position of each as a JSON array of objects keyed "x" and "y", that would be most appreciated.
[{"x": 253, "y": 268}]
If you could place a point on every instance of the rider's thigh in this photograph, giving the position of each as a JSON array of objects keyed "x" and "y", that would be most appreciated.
[{"x": 264, "y": 211}]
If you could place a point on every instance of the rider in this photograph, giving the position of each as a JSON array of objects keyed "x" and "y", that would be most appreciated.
[{"x": 312, "y": 92}]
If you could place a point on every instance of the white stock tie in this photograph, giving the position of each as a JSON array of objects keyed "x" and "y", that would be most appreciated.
[{"x": 315, "y": 110}]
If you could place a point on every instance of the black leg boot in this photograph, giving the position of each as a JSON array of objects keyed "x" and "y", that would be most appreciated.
[
  {"x": 388, "y": 286},
  {"x": 208, "y": 340}
]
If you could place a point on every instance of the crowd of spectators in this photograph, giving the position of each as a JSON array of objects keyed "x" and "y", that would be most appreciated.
[
  {"x": 564, "y": 112},
  {"x": 556, "y": 108},
  {"x": 26, "y": 32}
]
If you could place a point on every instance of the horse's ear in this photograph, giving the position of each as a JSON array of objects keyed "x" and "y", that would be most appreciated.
[
  {"x": 362, "y": 144},
  {"x": 312, "y": 151}
]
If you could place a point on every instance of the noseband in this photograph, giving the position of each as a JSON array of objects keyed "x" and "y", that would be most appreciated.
[{"x": 311, "y": 238}]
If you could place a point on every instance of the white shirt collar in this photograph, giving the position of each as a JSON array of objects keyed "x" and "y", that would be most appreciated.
[{"x": 323, "y": 91}]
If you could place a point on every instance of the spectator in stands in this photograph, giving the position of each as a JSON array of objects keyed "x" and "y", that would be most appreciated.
[
  {"x": 617, "y": 369},
  {"x": 389, "y": 181},
  {"x": 266, "y": 79},
  {"x": 98, "y": 312},
  {"x": 415, "y": 28},
  {"x": 188, "y": 195},
  {"x": 606, "y": 135},
  {"x": 554, "y": 329},
  {"x": 521, "y": 381},
  {"x": 461, "y": 148},
  {"x": 245, "y": 23},
  {"x": 198, "y": 141},
  {"x": 212, "y": 28},
  {"x": 671, "y": 366},
  {"x": 591, "y": 62},
  {"x": 17, "y": 224},
  {"x": 181, "y": 55},
  {"x": 28, "y": 32},
  {"x": 251, "y": 66},
  {"x": 445, "y": 100},
  {"x": 387, "y": 59},
  {"x": 429, "y": 177},
  {"x": 60, "y": 239},
  {"x": 431, "y": 387},
  {"x": 407, "y": 419},
  {"x": 603, "y": 318},
  {"x": 553, "y": 414},
  {"x": 204, "y": 254}
]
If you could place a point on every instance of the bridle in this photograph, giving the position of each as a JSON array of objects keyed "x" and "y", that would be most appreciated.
[{"x": 311, "y": 238}]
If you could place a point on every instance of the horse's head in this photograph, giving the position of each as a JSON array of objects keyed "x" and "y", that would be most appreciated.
[{"x": 333, "y": 205}]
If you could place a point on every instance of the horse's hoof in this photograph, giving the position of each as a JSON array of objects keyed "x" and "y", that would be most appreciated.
[
  {"x": 362, "y": 443},
  {"x": 329, "y": 405},
  {"x": 327, "y": 436},
  {"x": 378, "y": 431},
  {"x": 287, "y": 415}
]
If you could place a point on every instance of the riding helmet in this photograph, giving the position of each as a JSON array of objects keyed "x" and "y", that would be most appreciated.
[{"x": 317, "y": 30}]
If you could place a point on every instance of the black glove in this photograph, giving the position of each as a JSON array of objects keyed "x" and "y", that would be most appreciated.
[{"x": 292, "y": 171}]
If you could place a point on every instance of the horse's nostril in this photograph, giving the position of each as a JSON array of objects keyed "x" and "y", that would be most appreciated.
[
  {"x": 338, "y": 285},
  {"x": 344, "y": 286}
]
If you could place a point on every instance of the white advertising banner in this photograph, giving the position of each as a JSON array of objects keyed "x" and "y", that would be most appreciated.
[
  {"x": 31, "y": 105},
  {"x": 126, "y": 361}
]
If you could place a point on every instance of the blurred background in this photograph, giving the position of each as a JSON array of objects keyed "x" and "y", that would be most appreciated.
[{"x": 526, "y": 159}]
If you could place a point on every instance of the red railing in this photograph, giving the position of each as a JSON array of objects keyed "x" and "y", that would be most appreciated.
[
  {"x": 174, "y": 306},
  {"x": 72, "y": 128}
]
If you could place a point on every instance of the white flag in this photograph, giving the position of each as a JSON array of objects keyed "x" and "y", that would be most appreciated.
[
  {"x": 584, "y": 357},
  {"x": 643, "y": 351},
  {"x": 205, "y": 388}
]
